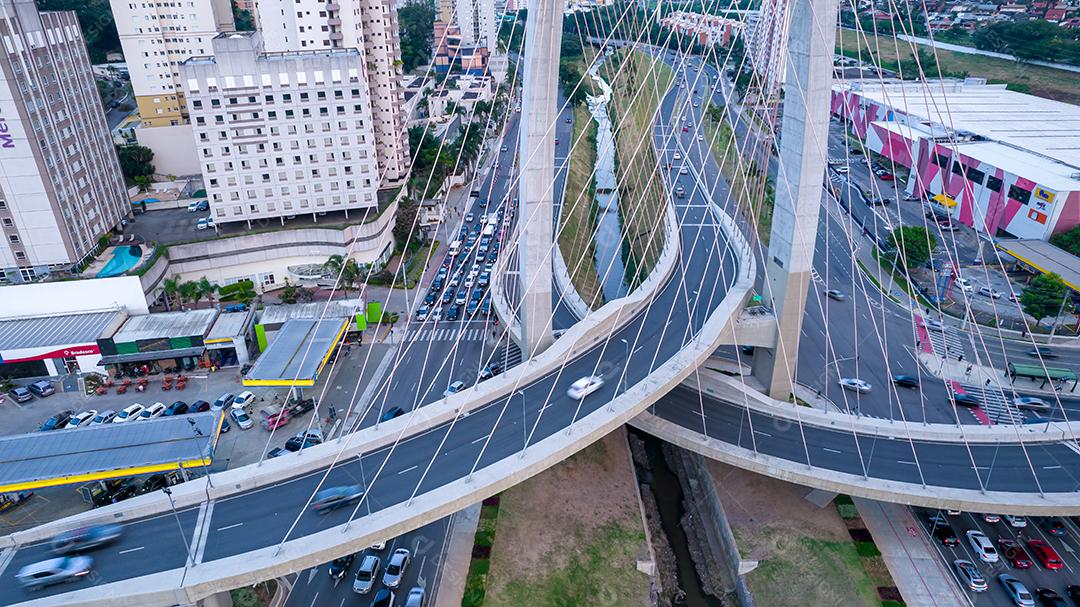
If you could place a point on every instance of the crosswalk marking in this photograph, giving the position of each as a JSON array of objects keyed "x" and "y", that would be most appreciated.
[
  {"x": 947, "y": 345},
  {"x": 997, "y": 406},
  {"x": 443, "y": 333}
]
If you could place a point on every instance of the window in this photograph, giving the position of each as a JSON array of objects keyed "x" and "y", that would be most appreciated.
[
  {"x": 13, "y": 237},
  {"x": 1019, "y": 194},
  {"x": 941, "y": 160},
  {"x": 976, "y": 176},
  {"x": 266, "y": 279},
  {"x": 993, "y": 183}
]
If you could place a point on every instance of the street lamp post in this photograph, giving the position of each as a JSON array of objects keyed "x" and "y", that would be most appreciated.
[{"x": 179, "y": 526}]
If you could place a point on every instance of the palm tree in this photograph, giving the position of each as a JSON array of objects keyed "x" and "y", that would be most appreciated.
[
  {"x": 206, "y": 289},
  {"x": 188, "y": 291},
  {"x": 345, "y": 271},
  {"x": 171, "y": 289}
]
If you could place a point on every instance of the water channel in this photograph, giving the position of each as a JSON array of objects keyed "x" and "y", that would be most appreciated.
[{"x": 609, "y": 234}]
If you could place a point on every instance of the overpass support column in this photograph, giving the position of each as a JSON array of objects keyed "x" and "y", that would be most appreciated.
[
  {"x": 803, "y": 149},
  {"x": 536, "y": 153}
]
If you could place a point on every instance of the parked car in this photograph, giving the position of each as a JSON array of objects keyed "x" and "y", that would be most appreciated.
[
  {"x": 855, "y": 385},
  {"x": 154, "y": 410},
  {"x": 198, "y": 205},
  {"x": 84, "y": 538},
  {"x": 395, "y": 567},
  {"x": 129, "y": 413},
  {"x": 990, "y": 292},
  {"x": 303, "y": 440},
  {"x": 54, "y": 571},
  {"x": 905, "y": 381},
  {"x": 82, "y": 418},
  {"x": 1045, "y": 553},
  {"x": 20, "y": 394},
  {"x": 103, "y": 417},
  {"x": 241, "y": 418},
  {"x": 1017, "y": 591},
  {"x": 366, "y": 574},
  {"x": 222, "y": 401},
  {"x": 1014, "y": 553},
  {"x": 969, "y": 575},
  {"x": 205, "y": 223},
  {"x": 339, "y": 567},
  {"x": 42, "y": 388},
  {"x": 177, "y": 408},
  {"x": 57, "y": 421},
  {"x": 199, "y": 406},
  {"x": 245, "y": 400}
]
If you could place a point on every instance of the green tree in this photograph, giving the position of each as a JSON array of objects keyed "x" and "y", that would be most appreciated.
[
  {"x": 170, "y": 289},
  {"x": 414, "y": 23},
  {"x": 242, "y": 18},
  {"x": 1070, "y": 240},
  {"x": 1044, "y": 296},
  {"x": 135, "y": 161},
  {"x": 96, "y": 22},
  {"x": 346, "y": 272},
  {"x": 912, "y": 245},
  {"x": 205, "y": 289},
  {"x": 188, "y": 291},
  {"x": 288, "y": 294},
  {"x": 404, "y": 221}
]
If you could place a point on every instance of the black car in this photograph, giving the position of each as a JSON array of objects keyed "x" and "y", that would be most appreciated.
[
  {"x": 490, "y": 371},
  {"x": 383, "y": 598},
  {"x": 199, "y": 406},
  {"x": 297, "y": 443},
  {"x": 430, "y": 297},
  {"x": 453, "y": 312},
  {"x": 447, "y": 296},
  {"x": 1074, "y": 593},
  {"x": 942, "y": 530},
  {"x": 1054, "y": 526},
  {"x": 177, "y": 408},
  {"x": 1049, "y": 598},
  {"x": 277, "y": 452},
  {"x": 905, "y": 381},
  {"x": 1041, "y": 353},
  {"x": 339, "y": 567},
  {"x": 965, "y": 399},
  {"x": 391, "y": 413},
  {"x": 57, "y": 421},
  {"x": 153, "y": 483},
  {"x": 302, "y": 407}
]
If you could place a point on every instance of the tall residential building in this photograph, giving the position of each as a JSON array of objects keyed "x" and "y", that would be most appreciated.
[
  {"x": 157, "y": 37},
  {"x": 281, "y": 134},
  {"x": 767, "y": 47},
  {"x": 477, "y": 22},
  {"x": 370, "y": 27},
  {"x": 60, "y": 183}
]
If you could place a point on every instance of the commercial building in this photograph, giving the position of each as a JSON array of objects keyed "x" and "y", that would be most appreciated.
[
  {"x": 371, "y": 28},
  {"x": 281, "y": 134},
  {"x": 706, "y": 30},
  {"x": 56, "y": 344},
  {"x": 450, "y": 51},
  {"x": 60, "y": 183},
  {"x": 171, "y": 342},
  {"x": 157, "y": 37},
  {"x": 994, "y": 159}
]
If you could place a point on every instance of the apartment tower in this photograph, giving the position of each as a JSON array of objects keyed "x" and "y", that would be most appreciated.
[
  {"x": 370, "y": 27},
  {"x": 60, "y": 183}
]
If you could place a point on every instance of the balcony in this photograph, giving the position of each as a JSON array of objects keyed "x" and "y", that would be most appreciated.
[
  {"x": 333, "y": 6},
  {"x": 333, "y": 22},
  {"x": 336, "y": 36}
]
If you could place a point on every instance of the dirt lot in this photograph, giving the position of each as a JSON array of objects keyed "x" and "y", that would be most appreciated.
[
  {"x": 572, "y": 535},
  {"x": 806, "y": 555}
]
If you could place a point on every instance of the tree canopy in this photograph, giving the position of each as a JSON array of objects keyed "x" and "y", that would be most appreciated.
[
  {"x": 96, "y": 21},
  {"x": 1069, "y": 241},
  {"x": 414, "y": 22},
  {"x": 242, "y": 18},
  {"x": 135, "y": 161},
  {"x": 1028, "y": 40},
  {"x": 912, "y": 245},
  {"x": 1044, "y": 296}
]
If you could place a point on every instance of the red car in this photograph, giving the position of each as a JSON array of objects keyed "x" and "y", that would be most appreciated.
[
  {"x": 887, "y": 177},
  {"x": 1046, "y": 554},
  {"x": 1014, "y": 553}
]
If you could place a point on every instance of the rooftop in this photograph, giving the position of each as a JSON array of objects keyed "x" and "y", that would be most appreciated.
[
  {"x": 47, "y": 459},
  {"x": 229, "y": 325},
  {"x": 1044, "y": 126},
  {"x": 1045, "y": 257},
  {"x": 297, "y": 353},
  {"x": 166, "y": 324},
  {"x": 55, "y": 330},
  {"x": 277, "y": 314}
]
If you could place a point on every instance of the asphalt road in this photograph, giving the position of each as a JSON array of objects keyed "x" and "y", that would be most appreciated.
[{"x": 424, "y": 462}]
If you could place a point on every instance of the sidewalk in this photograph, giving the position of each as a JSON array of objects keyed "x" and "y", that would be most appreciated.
[
  {"x": 916, "y": 566},
  {"x": 457, "y": 557}
]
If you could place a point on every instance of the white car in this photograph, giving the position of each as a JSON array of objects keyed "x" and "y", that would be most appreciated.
[
  {"x": 677, "y": 156},
  {"x": 83, "y": 419},
  {"x": 206, "y": 223},
  {"x": 1016, "y": 521},
  {"x": 842, "y": 169},
  {"x": 1033, "y": 403},
  {"x": 245, "y": 400},
  {"x": 982, "y": 546},
  {"x": 584, "y": 387},
  {"x": 129, "y": 413},
  {"x": 422, "y": 314},
  {"x": 241, "y": 418},
  {"x": 854, "y": 384},
  {"x": 197, "y": 205},
  {"x": 965, "y": 285},
  {"x": 454, "y": 387},
  {"x": 154, "y": 410}
]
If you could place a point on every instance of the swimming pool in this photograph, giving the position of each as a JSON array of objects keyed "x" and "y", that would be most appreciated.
[{"x": 123, "y": 259}]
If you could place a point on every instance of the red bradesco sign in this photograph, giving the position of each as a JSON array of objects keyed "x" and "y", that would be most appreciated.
[{"x": 70, "y": 351}]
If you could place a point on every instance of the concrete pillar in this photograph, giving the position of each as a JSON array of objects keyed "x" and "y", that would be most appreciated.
[
  {"x": 803, "y": 152},
  {"x": 539, "y": 110}
]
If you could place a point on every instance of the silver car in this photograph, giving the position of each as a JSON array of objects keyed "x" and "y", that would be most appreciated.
[
  {"x": 395, "y": 567},
  {"x": 366, "y": 574},
  {"x": 416, "y": 597},
  {"x": 54, "y": 571}
]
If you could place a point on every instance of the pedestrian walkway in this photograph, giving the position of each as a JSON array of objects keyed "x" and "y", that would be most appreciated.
[
  {"x": 455, "y": 567},
  {"x": 998, "y": 407},
  {"x": 445, "y": 333},
  {"x": 920, "y": 574},
  {"x": 946, "y": 342}
]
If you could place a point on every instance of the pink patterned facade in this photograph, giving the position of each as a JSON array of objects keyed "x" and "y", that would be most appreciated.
[{"x": 986, "y": 196}]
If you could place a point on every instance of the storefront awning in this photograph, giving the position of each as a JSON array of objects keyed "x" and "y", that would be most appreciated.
[
  {"x": 944, "y": 201},
  {"x": 138, "y": 357}
]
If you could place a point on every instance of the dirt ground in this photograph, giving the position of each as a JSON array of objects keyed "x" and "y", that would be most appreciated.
[
  {"x": 805, "y": 554},
  {"x": 572, "y": 535}
]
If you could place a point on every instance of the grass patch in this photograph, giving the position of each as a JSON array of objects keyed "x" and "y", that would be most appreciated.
[
  {"x": 258, "y": 595},
  {"x": 641, "y": 84},
  {"x": 476, "y": 579},
  {"x": 804, "y": 571},
  {"x": 577, "y": 223},
  {"x": 596, "y": 574},
  {"x": 847, "y": 511},
  {"x": 1034, "y": 79},
  {"x": 416, "y": 262},
  {"x": 753, "y": 191},
  {"x": 867, "y": 549}
]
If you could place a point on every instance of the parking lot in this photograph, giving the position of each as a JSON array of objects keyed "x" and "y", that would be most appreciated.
[{"x": 1033, "y": 577}]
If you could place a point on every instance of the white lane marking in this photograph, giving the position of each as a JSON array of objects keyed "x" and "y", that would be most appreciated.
[
  {"x": 227, "y": 527},
  {"x": 1051, "y": 467},
  {"x": 479, "y": 439},
  {"x": 5, "y": 558},
  {"x": 132, "y": 550},
  {"x": 409, "y": 469},
  {"x": 762, "y": 433},
  {"x": 906, "y": 462},
  {"x": 313, "y": 599},
  {"x": 832, "y": 450},
  {"x": 202, "y": 529}
]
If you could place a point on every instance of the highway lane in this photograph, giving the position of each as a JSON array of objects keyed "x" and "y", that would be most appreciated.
[
  {"x": 993, "y": 467},
  {"x": 262, "y": 517}
]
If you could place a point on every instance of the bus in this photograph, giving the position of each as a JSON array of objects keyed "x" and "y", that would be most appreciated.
[
  {"x": 455, "y": 248},
  {"x": 489, "y": 230}
]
